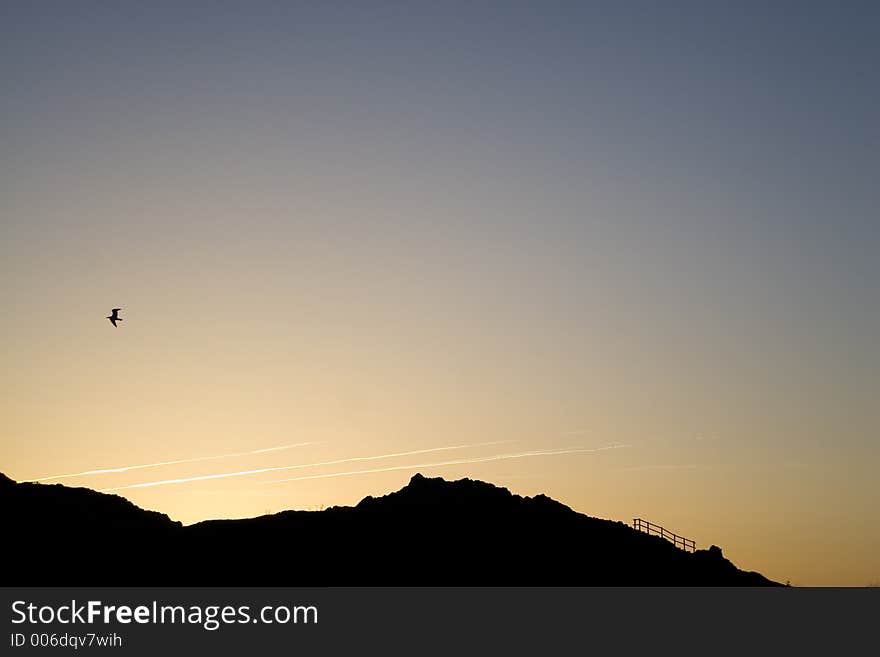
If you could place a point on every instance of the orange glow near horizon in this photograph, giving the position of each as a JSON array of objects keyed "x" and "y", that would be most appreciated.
[{"x": 349, "y": 231}]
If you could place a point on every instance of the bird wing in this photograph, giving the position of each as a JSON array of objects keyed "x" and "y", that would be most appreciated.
[{"x": 112, "y": 320}]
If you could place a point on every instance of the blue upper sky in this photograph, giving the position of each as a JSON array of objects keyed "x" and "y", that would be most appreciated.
[{"x": 672, "y": 204}]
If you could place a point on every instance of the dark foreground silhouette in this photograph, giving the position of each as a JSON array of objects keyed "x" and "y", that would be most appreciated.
[{"x": 431, "y": 532}]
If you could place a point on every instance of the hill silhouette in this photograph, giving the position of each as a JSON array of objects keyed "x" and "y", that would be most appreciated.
[{"x": 431, "y": 532}]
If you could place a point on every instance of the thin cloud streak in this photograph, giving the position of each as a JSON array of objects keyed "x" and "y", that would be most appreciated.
[
  {"x": 483, "y": 459},
  {"x": 243, "y": 473},
  {"x": 157, "y": 464}
]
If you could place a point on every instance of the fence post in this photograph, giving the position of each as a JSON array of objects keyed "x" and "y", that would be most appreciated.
[{"x": 680, "y": 542}]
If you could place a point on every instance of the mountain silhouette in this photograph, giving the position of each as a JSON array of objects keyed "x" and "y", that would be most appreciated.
[{"x": 431, "y": 532}]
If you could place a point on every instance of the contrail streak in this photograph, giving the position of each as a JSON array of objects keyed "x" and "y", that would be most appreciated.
[
  {"x": 161, "y": 463},
  {"x": 482, "y": 459},
  {"x": 242, "y": 473}
]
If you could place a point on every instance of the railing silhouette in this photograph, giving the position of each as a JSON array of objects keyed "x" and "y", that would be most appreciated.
[{"x": 678, "y": 541}]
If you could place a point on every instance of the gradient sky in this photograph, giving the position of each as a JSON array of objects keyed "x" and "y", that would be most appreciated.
[{"x": 391, "y": 227}]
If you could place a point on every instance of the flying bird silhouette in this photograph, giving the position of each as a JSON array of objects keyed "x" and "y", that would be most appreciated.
[{"x": 114, "y": 316}]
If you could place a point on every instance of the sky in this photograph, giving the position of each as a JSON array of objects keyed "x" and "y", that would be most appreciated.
[{"x": 630, "y": 247}]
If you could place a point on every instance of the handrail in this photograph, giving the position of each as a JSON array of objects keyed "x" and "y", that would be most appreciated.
[{"x": 686, "y": 544}]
